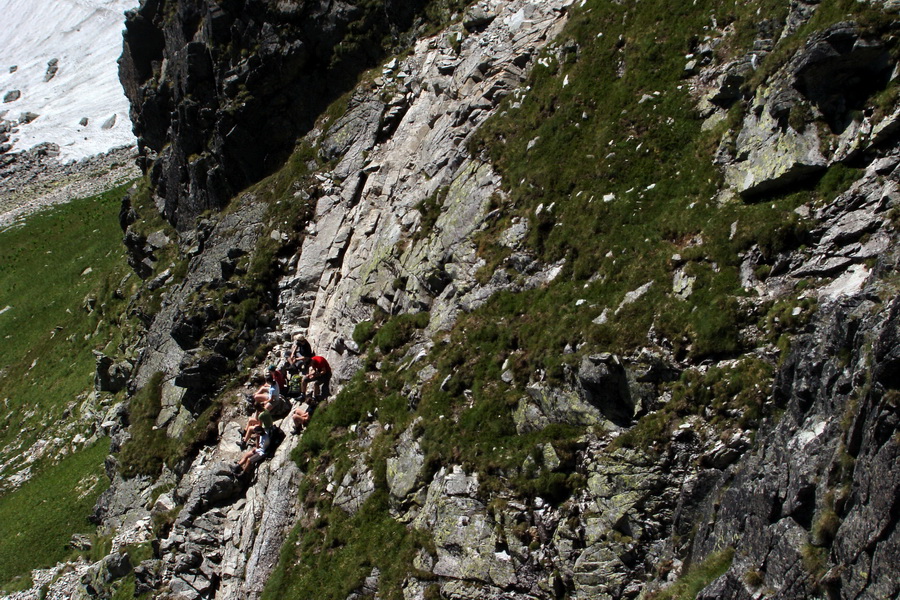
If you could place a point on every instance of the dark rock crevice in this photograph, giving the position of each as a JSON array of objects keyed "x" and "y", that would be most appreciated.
[{"x": 839, "y": 71}]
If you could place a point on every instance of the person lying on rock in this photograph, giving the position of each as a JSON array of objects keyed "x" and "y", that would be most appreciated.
[
  {"x": 298, "y": 358},
  {"x": 255, "y": 454},
  {"x": 320, "y": 376},
  {"x": 263, "y": 419},
  {"x": 269, "y": 398}
]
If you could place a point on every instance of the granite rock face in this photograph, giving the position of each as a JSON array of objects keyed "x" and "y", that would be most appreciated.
[
  {"x": 831, "y": 76},
  {"x": 816, "y": 484},
  {"x": 351, "y": 256}
]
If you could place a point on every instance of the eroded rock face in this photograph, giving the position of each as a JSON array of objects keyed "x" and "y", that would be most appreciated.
[
  {"x": 405, "y": 468},
  {"x": 832, "y": 76},
  {"x": 817, "y": 484},
  {"x": 177, "y": 341},
  {"x": 110, "y": 376},
  {"x": 463, "y": 532},
  {"x": 640, "y": 515},
  {"x": 352, "y": 255},
  {"x": 211, "y": 117}
]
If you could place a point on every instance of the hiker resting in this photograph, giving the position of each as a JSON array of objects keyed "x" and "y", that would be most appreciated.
[
  {"x": 255, "y": 454},
  {"x": 278, "y": 377},
  {"x": 298, "y": 358},
  {"x": 300, "y": 417},
  {"x": 320, "y": 376},
  {"x": 267, "y": 395},
  {"x": 262, "y": 419}
]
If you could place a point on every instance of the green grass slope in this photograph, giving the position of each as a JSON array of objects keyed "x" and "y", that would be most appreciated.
[
  {"x": 38, "y": 520},
  {"x": 53, "y": 268}
]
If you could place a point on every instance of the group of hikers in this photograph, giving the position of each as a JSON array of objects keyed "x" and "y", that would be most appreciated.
[{"x": 302, "y": 375}]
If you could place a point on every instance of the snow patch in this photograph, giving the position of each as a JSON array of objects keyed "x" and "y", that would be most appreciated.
[{"x": 84, "y": 37}]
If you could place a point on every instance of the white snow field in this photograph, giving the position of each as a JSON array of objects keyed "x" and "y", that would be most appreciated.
[{"x": 85, "y": 36}]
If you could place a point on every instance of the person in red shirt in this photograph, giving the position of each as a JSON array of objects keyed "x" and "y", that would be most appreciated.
[
  {"x": 320, "y": 375},
  {"x": 278, "y": 377}
]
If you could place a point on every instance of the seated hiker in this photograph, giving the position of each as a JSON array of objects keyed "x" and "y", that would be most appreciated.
[
  {"x": 266, "y": 394},
  {"x": 320, "y": 375},
  {"x": 262, "y": 418},
  {"x": 278, "y": 377},
  {"x": 255, "y": 454},
  {"x": 299, "y": 356},
  {"x": 300, "y": 417}
]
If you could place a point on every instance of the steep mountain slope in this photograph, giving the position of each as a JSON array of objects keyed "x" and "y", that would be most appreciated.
[{"x": 609, "y": 290}]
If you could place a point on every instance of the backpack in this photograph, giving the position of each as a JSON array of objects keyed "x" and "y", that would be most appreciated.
[
  {"x": 294, "y": 386},
  {"x": 276, "y": 436}
]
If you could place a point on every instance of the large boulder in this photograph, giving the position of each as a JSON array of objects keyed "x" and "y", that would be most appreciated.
[
  {"x": 604, "y": 384},
  {"x": 405, "y": 467},
  {"x": 463, "y": 531},
  {"x": 839, "y": 69},
  {"x": 110, "y": 376},
  {"x": 831, "y": 78},
  {"x": 216, "y": 484},
  {"x": 201, "y": 370}
]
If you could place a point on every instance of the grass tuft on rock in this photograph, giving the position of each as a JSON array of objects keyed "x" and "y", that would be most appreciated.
[{"x": 697, "y": 577}]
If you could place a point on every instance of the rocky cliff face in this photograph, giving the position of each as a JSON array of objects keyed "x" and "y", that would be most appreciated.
[
  {"x": 220, "y": 91},
  {"x": 809, "y": 508},
  {"x": 650, "y": 470}
]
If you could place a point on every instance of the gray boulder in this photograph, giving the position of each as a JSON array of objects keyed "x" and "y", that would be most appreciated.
[
  {"x": 355, "y": 488},
  {"x": 404, "y": 469},
  {"x": 215, "y": 485},
  {"x": 147, "y": 576},
  {"x": 116, "y": 566},
  {"x": 604, "y": 384},
  {"x": 110, "y": 376},
  {"x": 52, "y": 69},
  {"x": 838, "y": 69},
  {"x": 464, "y": 533}
]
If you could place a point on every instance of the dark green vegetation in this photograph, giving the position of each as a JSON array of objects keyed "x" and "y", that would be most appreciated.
[
  {"x": 715, "y": 396},
  {"x": 58, "y": 275},
  {"x": 330, "y": 556},
  {"x": 61, "y": 275},
  {"x": 634, "y": 199},
  {"x": 149, "y": 448},
  {"x": 637, "y": 186}
]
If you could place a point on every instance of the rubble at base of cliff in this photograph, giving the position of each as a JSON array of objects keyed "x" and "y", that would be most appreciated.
[{"x": 35, "y": 179}]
